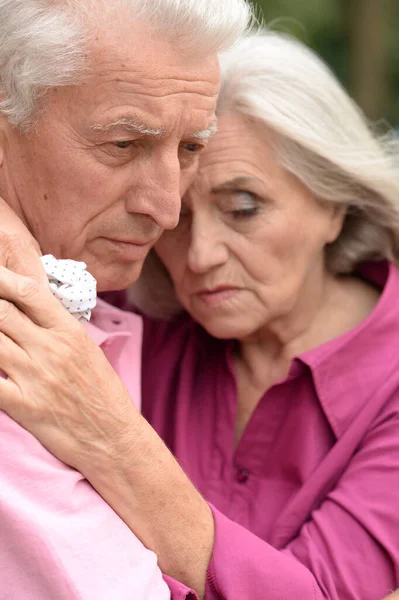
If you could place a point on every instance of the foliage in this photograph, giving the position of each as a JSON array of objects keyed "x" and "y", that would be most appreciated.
[{"x": 329, "y": 26}]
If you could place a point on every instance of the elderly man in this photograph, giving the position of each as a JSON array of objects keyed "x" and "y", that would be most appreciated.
[{"x": 104, "y": 107}]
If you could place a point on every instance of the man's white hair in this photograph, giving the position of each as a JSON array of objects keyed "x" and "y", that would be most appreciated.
[
  {"x": 43, "y": 43},
  {"x": 320, "y": 135}
]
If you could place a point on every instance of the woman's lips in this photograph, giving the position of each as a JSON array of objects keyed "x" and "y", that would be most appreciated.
[{"x": 218, "y": 295}]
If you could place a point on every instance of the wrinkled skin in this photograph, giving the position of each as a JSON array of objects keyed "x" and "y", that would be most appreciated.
[
  {"x": 80, "y": 182},
  {"x": 253, "y": 231}
]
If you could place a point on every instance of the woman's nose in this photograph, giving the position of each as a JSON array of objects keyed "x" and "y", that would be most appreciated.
[{"x": 207, "y": 249}]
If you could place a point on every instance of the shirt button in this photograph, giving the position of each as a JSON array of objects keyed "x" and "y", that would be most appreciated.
[{"x": 242, "y": 475}]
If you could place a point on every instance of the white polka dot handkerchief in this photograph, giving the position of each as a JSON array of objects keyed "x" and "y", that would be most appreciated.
[{"x": 72, "y": 285}]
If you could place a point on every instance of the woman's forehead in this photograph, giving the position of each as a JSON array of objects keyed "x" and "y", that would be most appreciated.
[{"x": 236, "y": 156}]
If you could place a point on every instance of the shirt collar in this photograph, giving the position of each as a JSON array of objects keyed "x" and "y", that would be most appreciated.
[
  {"x": 99, "y": 336},
  {"x": 348, "y": 370},
  {"x": 107, "y": 323}
]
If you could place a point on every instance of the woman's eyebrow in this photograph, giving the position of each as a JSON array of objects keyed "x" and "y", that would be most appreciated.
[{"x": 236, "y": 182}]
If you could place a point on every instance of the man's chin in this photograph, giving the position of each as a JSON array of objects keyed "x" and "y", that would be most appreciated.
[{"x": 120, "y": 277}]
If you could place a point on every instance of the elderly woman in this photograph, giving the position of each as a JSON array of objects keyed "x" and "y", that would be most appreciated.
[
  {"x": 272, "y": 373},
  {"x": 276, "y": 384}
]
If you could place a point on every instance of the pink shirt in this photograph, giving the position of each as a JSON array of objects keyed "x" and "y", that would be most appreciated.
[
  {"x": 307, "y": 507},
  {"x": 58, "y": 539}
]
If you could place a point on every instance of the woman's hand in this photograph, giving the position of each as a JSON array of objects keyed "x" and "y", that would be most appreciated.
[
  {"x": 19, "y": 251},
  {"x": 60, "y": 386},
  {"x": 62, "y": 389}
]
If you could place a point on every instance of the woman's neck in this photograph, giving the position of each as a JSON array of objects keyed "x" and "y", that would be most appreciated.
[
  {"x": 336, "y": 305},
  {"x": 289, "y": 333}
]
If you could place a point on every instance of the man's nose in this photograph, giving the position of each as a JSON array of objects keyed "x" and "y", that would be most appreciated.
[
  {"x": 207, "y": 249},
  {"x": 159, "y": 192}
]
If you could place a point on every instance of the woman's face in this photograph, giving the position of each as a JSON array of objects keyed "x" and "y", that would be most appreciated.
[{"x": 250, "y": 242}]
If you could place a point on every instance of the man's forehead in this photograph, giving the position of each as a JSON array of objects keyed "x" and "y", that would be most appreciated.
[
  {"x": 148, "y": 52},
  {"x": 150, "y": 89}
]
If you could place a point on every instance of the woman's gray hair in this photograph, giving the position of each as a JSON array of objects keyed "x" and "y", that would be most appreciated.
[
  {"x": 320, "y": 135},
  {"x": 43, "y": 43}
]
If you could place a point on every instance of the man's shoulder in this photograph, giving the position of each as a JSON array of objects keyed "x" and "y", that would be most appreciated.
[{"x": 59, "y": 538}]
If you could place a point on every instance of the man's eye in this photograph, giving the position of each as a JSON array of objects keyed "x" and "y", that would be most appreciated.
[
  {"x": 123, "y": 145},
  {"x": 193, "y": 147}
]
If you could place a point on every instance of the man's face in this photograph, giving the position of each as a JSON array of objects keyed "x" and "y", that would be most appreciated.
[{"x": 103, "y": 173}]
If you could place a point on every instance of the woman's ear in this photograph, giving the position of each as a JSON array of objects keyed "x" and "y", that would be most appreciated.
[{"x": 338, "y": 215}]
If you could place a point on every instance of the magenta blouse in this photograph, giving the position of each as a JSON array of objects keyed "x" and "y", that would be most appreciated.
[{"x": 307, "y": 506}]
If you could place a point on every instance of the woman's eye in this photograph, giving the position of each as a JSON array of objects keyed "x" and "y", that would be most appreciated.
[
  {"x": 243, "y": 204},
  {"x": 245, "y": 212}
]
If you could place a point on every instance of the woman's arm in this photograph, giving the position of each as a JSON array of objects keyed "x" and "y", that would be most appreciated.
[
  {"x": 62, "y": 389},
  {"x": 142, "y": 481},
  {"x": 348, "y": 549}
]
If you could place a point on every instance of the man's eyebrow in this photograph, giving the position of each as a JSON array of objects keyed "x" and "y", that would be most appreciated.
[
  {"x": 236, "y": 182},
  {"x": 206, "y": 134},
  {"x": 133, "y": 125},
  {"x": 130, "y": 125}
]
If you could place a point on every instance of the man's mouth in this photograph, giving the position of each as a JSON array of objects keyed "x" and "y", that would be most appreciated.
[{"x": 129, "y": 250}]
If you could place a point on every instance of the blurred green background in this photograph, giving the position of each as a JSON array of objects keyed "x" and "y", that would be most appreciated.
[{"x": 358, "y": 38}]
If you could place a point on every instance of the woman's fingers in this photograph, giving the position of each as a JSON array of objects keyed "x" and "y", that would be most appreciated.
[
  {"x": 34, "y": 299},
  {"x": 12, "y": 357},
  {"x": 9, "y": 397},
  {"x": 15, "y": 326},
  {"x": 19, "y": 251},
  {"x": 22, "y": 257},
  {"x": 14, "y": 404}
]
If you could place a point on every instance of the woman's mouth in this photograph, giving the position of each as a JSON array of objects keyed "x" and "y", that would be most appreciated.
[{"x": 217, "y": 296}]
